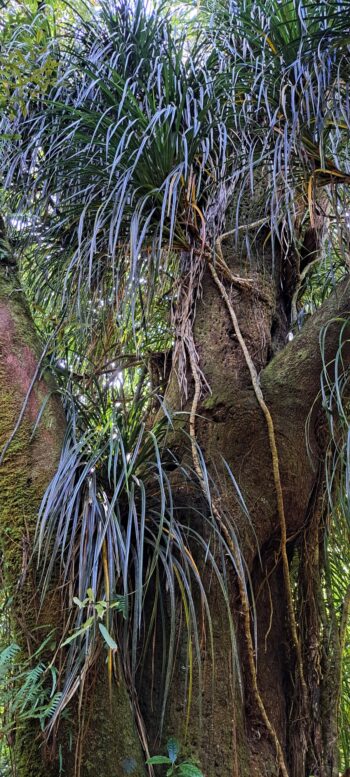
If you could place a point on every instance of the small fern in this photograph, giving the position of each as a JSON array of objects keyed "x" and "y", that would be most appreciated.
[
  {"x": 7, "y": 656},
  {"x": 27, "y": 692}
]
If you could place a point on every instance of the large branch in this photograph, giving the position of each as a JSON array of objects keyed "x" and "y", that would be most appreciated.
[
  {"x": 296, "y": 370},
  {"x": 231, "y": 425},
  {"x": 291, "y": 385}
]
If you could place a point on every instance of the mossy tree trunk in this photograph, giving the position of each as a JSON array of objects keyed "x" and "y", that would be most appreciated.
[
  {"x": 233, "y": 739},
  {"x": 30, "y": 456}
]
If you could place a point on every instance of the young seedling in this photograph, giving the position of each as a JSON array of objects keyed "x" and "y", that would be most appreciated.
[
  {"x": 99, "y": 609},
  {"x": 180, "y": 769}
]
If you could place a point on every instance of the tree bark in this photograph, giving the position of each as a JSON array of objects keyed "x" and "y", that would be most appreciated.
[
  {"x": 231, "y": 739},
  {"x": 110, "y": 745},
  {"x": 230, "y": 425}
]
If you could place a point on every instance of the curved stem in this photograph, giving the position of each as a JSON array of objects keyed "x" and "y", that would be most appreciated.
[{"x": 242, "y": 589}]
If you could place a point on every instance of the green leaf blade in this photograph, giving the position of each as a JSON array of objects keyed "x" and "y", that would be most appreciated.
[
  {"x": 107, "y": 637},
  {"x": 158, "y": 759},
  {"x": 189, "y": 770}
]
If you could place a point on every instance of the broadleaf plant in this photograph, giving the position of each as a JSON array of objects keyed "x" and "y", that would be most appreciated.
[{"x": 184, "y": 768}]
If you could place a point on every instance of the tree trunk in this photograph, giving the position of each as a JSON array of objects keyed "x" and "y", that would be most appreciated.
[
  {"x": 110, "y": 745},
  {"x": 233, "y": 739}
]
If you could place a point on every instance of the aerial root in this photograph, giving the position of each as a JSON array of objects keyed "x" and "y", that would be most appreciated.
[
  {"x": 276, "y": 477},
  {"x": 242, "y": 589},
  {"x": 246, "y": 283}
]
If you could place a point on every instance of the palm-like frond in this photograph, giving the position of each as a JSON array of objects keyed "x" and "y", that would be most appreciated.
[
  {"x": 146, "y": 144},
  {"x": 124, "y": 159},
  {"x": 110, "y": 520},
  {"x": 122, "y": 155}
]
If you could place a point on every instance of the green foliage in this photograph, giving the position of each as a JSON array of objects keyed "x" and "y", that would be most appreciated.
[
  {"x": 344, "y": 719},
  {"x": 143, "y": 139},
  {"x": 183, "y": 768},
  {"x": 28, "y": 692},
  {"x": 127, "y": 145},
  {"x": 100, "y": 611},
  {"x": 109, "y": 519},
  {"x": 28, "y": 61}
]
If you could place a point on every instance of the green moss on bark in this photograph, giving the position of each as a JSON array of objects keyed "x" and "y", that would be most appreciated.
[
  {"x": 28, "y": 466},
  {"x": 31, "y": 459},
  {"x": 110, "y": 745}
]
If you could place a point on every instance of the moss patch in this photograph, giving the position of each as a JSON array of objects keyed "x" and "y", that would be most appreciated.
[{"x": 28, "y": 467}]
